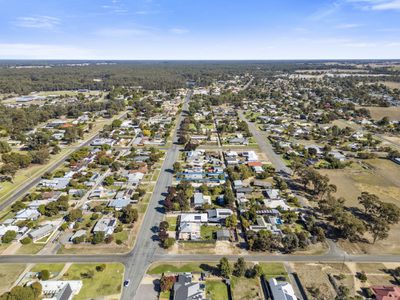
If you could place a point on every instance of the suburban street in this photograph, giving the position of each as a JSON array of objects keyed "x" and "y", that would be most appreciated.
[
  {"x": 24, "y": 188},
  {"x": 265, "y": 146},
  {"x": 146, "y": 244}
]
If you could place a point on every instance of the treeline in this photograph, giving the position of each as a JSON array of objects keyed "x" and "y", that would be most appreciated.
[{"x": 16, "y": 121}]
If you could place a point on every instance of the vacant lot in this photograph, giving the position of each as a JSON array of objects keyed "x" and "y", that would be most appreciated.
[
  {"x": 315, "y": 275},
  {"x": 159, "y": 268},
  {"x": 273, "y": 270},
  {"x": 245, "y": 288},
  {"x": 9, "y": 274},
  {"x": 377, "y": 176},
  {"x": 103, "y": 283},
  {"x": 216, "y": 290}
]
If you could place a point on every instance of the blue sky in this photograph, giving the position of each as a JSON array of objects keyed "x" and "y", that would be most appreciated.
[{"x": 199, "y": 29}]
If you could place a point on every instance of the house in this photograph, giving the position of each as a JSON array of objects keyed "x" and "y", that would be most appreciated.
[
  {"x": 275, "y": 203},
  {"x": 60, "y": 289},
  {"x": 106, "y": 225},
  {"x": 41, "y": 232},
  {"x": 223, "y": 235},
  {"x": 264, "y": 225},
  {"x": 77, "y": 234},
  {"x": 194, "y": 218},
  {"x": 119, "y": 203},
  {"x": 189, "y": 231},
  {"x": 219, "y": 214},
  {"x": 281, "y": 290},
  {"x": 55, "y": 183},
  {"x": 185, "y": 289},
  {"x": 237, "y": 184},
  {"x": 102, "y": 141},
  {"x": 199, "y": 200},
  {"x": 273, "y": 194},
  {"x": 386, "y": 292},
  {"x": 27, "y": 214}
]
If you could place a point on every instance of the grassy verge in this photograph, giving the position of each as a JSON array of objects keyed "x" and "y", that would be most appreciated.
[{"x": 52, "y": 268}]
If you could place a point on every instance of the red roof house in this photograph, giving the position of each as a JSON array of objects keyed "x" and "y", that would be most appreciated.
[{"x": 386, "y": 292}]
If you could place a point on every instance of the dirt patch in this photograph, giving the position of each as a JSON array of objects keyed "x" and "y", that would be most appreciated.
[
  {"x": 316, "y": 275},
  {"x": 377, "y": 113}
]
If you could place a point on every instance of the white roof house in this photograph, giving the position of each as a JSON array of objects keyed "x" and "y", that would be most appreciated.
[
  {"x": 60, "y": 289},
  {"x": 41, "y": 232},
  {"x": 281, "y": 290},
  {"x": 27, "y": 214},
  {"x": 275, "y": 203},
  {"x": 189, "y": 231},
  {"x": 106, "y": 225},
  {"x": 194, "y": 217}
]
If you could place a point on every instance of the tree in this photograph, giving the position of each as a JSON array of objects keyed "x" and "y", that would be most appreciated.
[
  {"x": 258, "y": 270},
  {"x": 290, "y": 242},
  {"x": 225, "y": 268},
  {"x": 37, "y": 289},
  {"x": 168, "y": 243},
  {"x": 26, "y": 240},
  {"x": 20, "y": 293},
  {"x": 164, "y": 225},
  {"x": 128, "y": 215},
  {"x": 101, "y": 268},
  {"x": 44, "y": 275},
  {"x": 109, "y": 180},
  {"x": 4, "y": 147},
  {"x": 40, "y": 156},
  {"x": 239, "y": 268},
  {"x": 9, "y": 236},
  {"x": 9, "y": 169},
  {"x": 98, "y": 237},
  {"x": 74, "y": 215},
  {"x": 17, "y": 206},
  {"x": 369, "y": 201},
  {"x": 167, "y": 283},
  {"x": 231, "y": 221},
  {"x": 177, "y": 167},
  {"x": 342, "y": 293}
]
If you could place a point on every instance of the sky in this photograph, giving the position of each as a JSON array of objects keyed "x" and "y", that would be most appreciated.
[{"x": 199, "y": 29}]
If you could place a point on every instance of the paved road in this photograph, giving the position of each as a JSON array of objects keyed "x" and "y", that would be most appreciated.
[
  {"x": 146, "y": 244},
  {"x": 266, "y": 146},
  {"x": 24, "y": 188}
]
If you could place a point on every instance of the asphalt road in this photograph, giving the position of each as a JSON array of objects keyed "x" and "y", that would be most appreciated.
[
  {"x": 23, "y": 189},
  {"x": 147, "y": 244},
  {"x": 266, "y": 146}
]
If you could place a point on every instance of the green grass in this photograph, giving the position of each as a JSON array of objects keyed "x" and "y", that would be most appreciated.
[
  {"x": 123, "y": 235},
  {"x": 30, "y": 248},
  {"x": 208, "y": 232},
  {"x": 172, "y": 223},
  {"x": 178, "y": 268},
  {"x": 271, "y": 270},
  {"x": 53, "y": 268},
  {"x": 216, "y": 290},
  {"x": 107, "y": 282},
  {"x": 9, "y": 274},
  {"x": 165, "y": 295}
]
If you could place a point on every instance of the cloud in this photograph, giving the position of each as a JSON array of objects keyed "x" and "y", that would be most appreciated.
[
  {"x": 178, "y": 30},
  {"x": 326, "y": 12},
  {"x": 378, "y": 4},
  {"x": 43, "y": 51},
  {"x": 42, "y": 22},
  {"x": 123, "y": 32},
  {"x": 347, "y": 26}
]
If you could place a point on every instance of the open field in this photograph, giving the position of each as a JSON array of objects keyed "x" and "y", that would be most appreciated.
[
  {"x": 380, "y": 177},
  {"x": 378, "y": 113},
  {"x": 9, "y": 274},
  {"x": 391, "y": 84},
  {"x": 104, "y": 283}
]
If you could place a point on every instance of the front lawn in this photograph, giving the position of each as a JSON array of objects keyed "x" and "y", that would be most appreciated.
[{"x": 179, "y": 267}]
